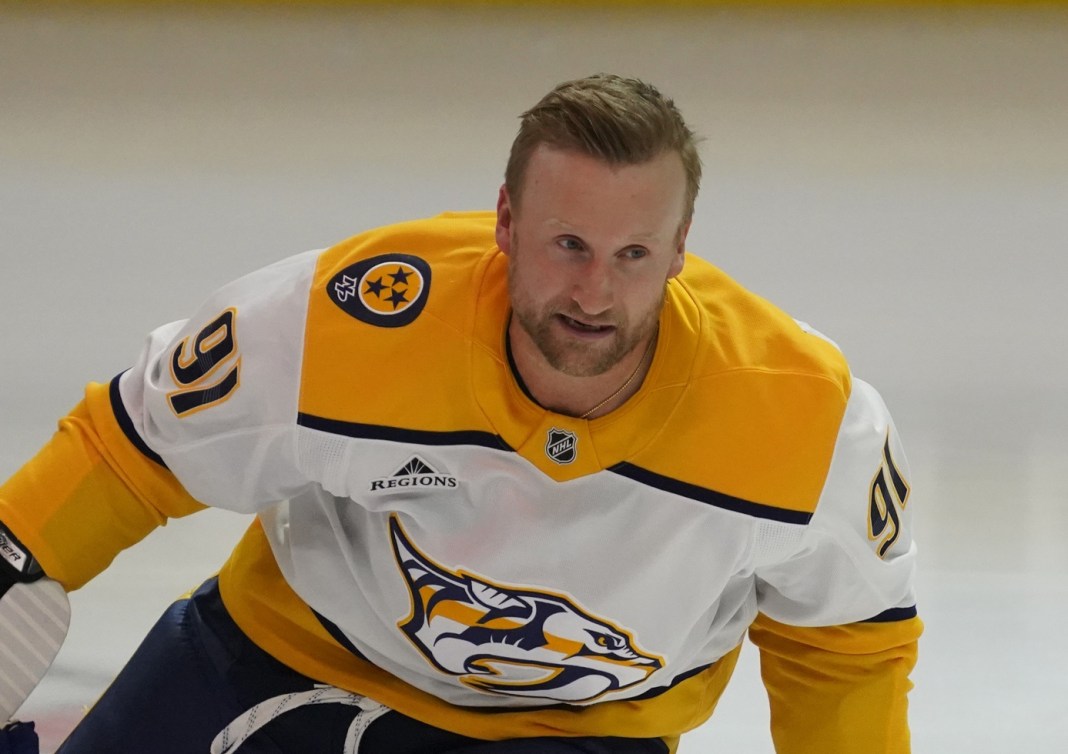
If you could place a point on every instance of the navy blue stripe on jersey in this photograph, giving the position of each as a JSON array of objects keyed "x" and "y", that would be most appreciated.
[
  {"x": 711, "y": 497},
  {"x": 338, "y": 636},
  {"x": 396, "y": 434},
  {"x": 893, "y": 615},
  {"x": 127, "y": 425},
  {"x": 674, "y": 682},
  {"x": 515, "y": 370}
]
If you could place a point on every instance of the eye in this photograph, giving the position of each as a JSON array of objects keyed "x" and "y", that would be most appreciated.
[
  {"x": 570, "y": 243},
  {"x": 636, "y": 252},
  {"x": 606, "y": 641}
]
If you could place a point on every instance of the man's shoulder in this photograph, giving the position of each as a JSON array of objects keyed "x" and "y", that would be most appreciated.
[
  {"x": 391, "y": 307},
  {"x": 434, "y": 238},
  {"x": 743, "y": 335},
  {"x": 761, "y": 397},
  {"x": 387, "y": 276}
]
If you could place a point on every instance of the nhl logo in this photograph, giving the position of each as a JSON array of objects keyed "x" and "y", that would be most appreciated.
[{"x": 561, "y": 445}]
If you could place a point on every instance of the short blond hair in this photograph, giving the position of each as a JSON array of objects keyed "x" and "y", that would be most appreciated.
[{"x": 619, "y": 120}]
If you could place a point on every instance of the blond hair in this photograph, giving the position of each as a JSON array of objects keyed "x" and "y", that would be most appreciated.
[{"x": 619, "y": 120}]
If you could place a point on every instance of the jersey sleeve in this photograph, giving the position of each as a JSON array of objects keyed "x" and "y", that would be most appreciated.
[
  {"x": 838, "y": 626},
  {"x": 216, "y": 397},
  {"x": 205, "y": 417}
]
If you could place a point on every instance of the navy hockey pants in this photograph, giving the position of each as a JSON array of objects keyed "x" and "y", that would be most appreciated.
[{"x": 196, "y": 673}]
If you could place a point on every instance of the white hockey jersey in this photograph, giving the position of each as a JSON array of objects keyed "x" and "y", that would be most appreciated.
[{"x": 430, "y": 537}]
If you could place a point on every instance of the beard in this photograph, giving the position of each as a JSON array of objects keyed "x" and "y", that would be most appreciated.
[{"x": 574, "y": 356}]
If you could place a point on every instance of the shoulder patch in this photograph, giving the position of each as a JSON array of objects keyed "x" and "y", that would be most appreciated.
[{"x": 389, "y": 290}]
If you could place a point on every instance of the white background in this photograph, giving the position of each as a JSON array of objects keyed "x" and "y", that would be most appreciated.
[{"x": 897, "y": 179}]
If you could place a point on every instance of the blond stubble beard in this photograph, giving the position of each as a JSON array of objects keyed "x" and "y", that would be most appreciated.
[{"x": 572, "y": 357}]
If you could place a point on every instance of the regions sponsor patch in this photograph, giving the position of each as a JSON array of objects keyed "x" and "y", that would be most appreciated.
[
  {"x": 389, "y": 290},
  {"x": 415, "y": 474}
]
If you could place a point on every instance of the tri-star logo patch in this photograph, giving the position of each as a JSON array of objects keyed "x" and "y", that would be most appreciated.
[{"x": 389, "y": 290}]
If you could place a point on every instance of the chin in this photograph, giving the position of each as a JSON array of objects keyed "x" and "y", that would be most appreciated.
[{"x": 581, "y": 361}]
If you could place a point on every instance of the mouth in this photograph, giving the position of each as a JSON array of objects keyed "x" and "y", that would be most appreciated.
[{"x": 585, "y": 329}]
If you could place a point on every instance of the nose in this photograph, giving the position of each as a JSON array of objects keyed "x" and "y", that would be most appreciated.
[{"x": 593, "y": 289}]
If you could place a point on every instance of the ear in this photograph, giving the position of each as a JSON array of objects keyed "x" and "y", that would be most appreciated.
[
  {"x": 680, "y": 251},
  {"x": 504, "y": 220}
]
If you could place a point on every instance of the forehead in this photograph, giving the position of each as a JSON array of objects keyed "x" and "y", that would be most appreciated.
[{"x": 569, "y": 189}]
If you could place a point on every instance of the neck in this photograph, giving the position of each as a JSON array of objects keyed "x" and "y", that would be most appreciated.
[{"x": 583, "y": 397}]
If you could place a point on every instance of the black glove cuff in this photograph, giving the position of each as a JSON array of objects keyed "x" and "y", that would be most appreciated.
[{"x": 17, "y": 565}]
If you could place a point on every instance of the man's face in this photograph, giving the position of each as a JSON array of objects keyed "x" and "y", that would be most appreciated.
[{"x": 590, "y": 250}]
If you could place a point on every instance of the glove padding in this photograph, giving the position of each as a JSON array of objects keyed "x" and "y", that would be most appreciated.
[{"x": 34, "y": 618}]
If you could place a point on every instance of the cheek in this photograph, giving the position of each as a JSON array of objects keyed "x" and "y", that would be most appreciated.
[
  {"x": 544, "y": 280},
  {"x": 643, "y": 294},
  {"x": 641, "y": 308},
  {"x": 532, "y": 288}
]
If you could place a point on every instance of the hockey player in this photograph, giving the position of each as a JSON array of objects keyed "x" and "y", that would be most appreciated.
[{"x": 524, "y": 480}]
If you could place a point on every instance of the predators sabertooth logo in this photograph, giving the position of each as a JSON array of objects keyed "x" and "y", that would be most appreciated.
[{"x": 514, "y": 641}]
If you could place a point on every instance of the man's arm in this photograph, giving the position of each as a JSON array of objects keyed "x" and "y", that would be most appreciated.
[
  {"x": 87, "y": 494},
  {"x": 204, "y": 416},
  {"x": 90, "y": 492},
  {"x": 838, "y": 689},
  {"x": 838, "y": 625}
]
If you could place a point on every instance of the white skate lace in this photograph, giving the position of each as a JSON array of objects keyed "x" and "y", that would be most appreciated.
[{"x": 242, "y": 727}]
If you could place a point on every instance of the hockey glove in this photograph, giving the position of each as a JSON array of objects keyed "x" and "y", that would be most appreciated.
[
  {"x": 34, "y": 618},
  {"x": 19, "y": 738}
]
